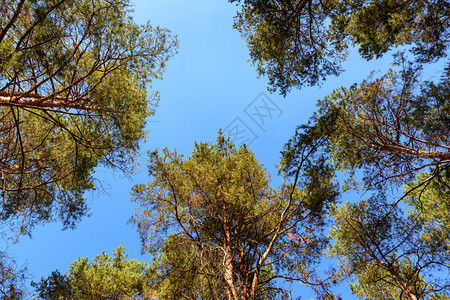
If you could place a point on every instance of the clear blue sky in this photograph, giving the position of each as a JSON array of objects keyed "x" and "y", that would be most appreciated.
[{"x": 208, "y": 84}]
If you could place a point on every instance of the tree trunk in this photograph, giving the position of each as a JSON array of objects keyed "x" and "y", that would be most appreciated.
[
  {"x": 228, "y": 263},
  {"x": 41, "y": 101}
]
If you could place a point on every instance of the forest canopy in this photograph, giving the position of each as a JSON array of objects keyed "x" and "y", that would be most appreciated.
[
  {"x": 219, "y": 230},
  {"x": 389, "y": 135},
  {"x": 364, "y": 181},
  {"x": 298, "y": 43},
  {"x": 74, "y": 94}
]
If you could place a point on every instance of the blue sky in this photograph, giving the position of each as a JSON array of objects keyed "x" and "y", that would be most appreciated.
[{"x": 207, "y": 85}]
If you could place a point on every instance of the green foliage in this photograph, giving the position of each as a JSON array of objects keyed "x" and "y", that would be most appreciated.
[
  {"x": 186, "y": 273},
  {"x": 73, "y": 96},
  {"x": 395, "y": 130},
  {"x": 56, "y": 286},
  {"x": 378, "y": 26},
  {"x": 391, "y": 255},
  {"x": 379, "y": 126},
  {"x": 106, "y": 277},
  {"x": 11, "y": 278},
  {"x": 232, "y": 234},
  {"x": 386, "y": 134},
  {"x": 301, "y": 42},
  {"x": 288, "y": 42},
  {"x": 429, "y": 206}
]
